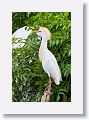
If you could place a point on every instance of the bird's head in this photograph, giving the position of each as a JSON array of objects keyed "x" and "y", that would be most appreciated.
[{"x": 44, "y": 33}]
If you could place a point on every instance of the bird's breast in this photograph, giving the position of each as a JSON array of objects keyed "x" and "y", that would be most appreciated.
[{"x": 41, "y": 54}]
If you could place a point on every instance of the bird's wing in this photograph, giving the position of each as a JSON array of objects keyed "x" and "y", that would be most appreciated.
[{"x": 51, "y": 67}]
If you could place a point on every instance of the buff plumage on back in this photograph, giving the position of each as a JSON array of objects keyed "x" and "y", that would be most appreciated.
[{"x": 47, "y": 32}]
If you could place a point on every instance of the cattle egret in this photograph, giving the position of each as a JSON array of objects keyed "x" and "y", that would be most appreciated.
[{"x": 48, "y": 60}]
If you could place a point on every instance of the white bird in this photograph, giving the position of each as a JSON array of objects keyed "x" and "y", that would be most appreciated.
[
  {"x": 48, "y": 60},
  {"x": 21, "y": 34}
]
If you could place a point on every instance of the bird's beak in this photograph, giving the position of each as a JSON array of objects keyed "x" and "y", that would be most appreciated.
[{"x": 35, "y": 31}]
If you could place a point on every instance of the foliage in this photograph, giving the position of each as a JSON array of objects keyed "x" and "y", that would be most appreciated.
[{"x": 29, "y": 78}]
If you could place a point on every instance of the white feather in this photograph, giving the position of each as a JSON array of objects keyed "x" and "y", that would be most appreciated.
[{"x": 51, "y": 67}]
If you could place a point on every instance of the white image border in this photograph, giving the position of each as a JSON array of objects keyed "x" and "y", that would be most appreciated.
[{"x": 76, "y": 104}]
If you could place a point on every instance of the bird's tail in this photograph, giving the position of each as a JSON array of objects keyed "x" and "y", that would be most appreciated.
[{"x": 57, "y": 82}]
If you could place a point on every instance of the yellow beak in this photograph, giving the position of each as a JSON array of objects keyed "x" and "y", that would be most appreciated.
[{"x": 35, "y": 31}]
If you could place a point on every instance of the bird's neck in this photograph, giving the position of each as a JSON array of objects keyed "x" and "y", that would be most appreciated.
[
  {"x": 44, "y": 43},
  {"x": 43, "y": 49}
]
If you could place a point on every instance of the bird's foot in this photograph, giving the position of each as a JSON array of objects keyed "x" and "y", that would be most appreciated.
[
  {"x": 47, "y": 93},
  {"x": 48, "y": 90}
]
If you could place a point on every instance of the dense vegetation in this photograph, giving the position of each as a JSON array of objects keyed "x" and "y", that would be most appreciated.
[{"x": 29, "y": 78}]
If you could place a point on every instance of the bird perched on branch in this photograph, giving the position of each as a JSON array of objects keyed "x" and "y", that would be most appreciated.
[{"x": 48, "y": 60}]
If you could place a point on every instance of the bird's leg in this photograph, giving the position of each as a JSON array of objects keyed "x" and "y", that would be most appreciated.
[
  {"x": 51, "y": 81},
  {"x": 49, "y": 87},
  {"x": 47, "y": 92}
]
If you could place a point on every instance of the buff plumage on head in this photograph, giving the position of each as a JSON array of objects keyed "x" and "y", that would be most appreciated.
[{"x": 47, "y": 32}]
